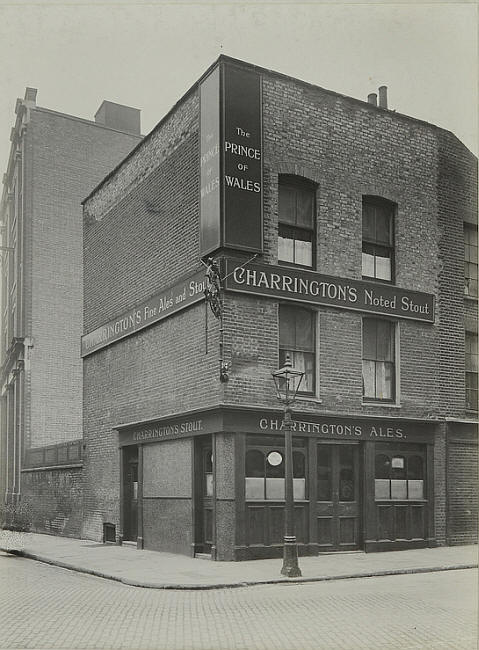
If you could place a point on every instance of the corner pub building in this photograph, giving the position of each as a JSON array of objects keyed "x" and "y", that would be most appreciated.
[{"x": 340, "y": 231}]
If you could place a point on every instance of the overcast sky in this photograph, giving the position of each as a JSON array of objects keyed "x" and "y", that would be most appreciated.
[{"x": 147, "y": 55}]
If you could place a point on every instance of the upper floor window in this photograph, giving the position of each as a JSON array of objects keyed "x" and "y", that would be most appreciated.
[
  {"x": 296, "y": 339},
  {"x": 471, "y": 367},
  {"x": 378, "y": 239},
  {"x": 379, "y": 342},
  {"x": 470, "y": 260},
  {"x": 296, "y": 219}
]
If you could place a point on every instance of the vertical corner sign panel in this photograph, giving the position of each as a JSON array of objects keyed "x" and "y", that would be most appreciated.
[
  {"x": 210, "y": 222},
  {"x": 243, "y": 164}
]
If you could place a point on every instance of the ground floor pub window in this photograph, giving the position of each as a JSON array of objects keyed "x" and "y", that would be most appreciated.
[
  {"x": 264, "y": 471},
  {"x": 400, "y": 474}
]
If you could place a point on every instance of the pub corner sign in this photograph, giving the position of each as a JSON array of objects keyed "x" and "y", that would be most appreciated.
[{"x": 231, "y": 165}]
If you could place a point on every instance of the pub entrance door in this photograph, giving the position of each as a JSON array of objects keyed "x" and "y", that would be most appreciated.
[
  {"x": 203, "y": 494},
  {"x": 338, "y": 500},
  {"x": 130, "y": 494}
]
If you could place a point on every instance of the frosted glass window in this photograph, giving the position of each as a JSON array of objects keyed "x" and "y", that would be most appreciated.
[
  {"x": 399, "y": 489},
  {"x": 299, "y": 488},
  {"x": 415, "y": 489},
  {"x": 275, "y": 488},
  {"x": 381, "y": 489},
  {"x": 254, "y": 488}
]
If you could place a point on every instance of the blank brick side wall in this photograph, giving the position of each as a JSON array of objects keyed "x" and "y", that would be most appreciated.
[
  {"x": 147, "y": 238},
  {"x": 68, "y": 157},
  {"x": 462, "y": 479}
]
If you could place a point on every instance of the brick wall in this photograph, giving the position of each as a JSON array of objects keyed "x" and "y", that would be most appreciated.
[
  {"x": 141, "y": 233},
  {"x": 68, "y": 157},
  {"x": 457, "y": 192},
  {"x": 462, "y": 480},
  {"x": 349, "y": 149},
  {"x": 52, "y": 501}
]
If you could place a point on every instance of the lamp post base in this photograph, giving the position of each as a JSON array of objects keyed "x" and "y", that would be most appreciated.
[{"x": 290, "y": 558}]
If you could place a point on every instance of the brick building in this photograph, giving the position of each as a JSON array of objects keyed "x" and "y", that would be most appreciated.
[
  {"x": 342, "y": 231},
  {"x": 55, "y": 160}
]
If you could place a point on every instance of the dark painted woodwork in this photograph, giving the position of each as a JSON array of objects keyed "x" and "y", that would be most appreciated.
[
  {"x": 139, "y": 540},
  {"x": 338, "y": 511},
  {"x": 204, "y": 503},
  {"x": 130, "y": 494}
]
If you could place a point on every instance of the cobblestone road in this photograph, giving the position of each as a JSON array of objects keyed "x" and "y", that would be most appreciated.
[{"x": 47, "y": 607}]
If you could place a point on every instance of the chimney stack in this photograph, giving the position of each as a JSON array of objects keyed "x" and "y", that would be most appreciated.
[
  {"x": 373, "y": 99},
  {"x": 119, "y": 117},
  {"x": 383, "y": 96}
]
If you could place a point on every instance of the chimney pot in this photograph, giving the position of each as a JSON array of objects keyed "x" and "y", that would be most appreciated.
[
  {"x": 373, "y": 99},
  {"x": 383, "y": 96}
]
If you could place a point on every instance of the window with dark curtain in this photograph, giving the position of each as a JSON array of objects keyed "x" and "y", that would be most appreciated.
[
  {"x": 378, "y": 239},
  {"x": 296, "y": 221}
]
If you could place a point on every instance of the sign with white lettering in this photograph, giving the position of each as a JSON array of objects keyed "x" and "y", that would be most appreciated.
[
  {"x": 161, "y": 305},
  {"x": 231, "y": 166},
  {"x": 317, "y": 289},
  {"x": 259, "y": 422},
  {"x": 210, "y": 161},
  {"x": 242, "y": 143}
]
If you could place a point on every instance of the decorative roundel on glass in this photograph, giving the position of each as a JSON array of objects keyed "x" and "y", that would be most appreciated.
[{"x": 275, "y": 458}]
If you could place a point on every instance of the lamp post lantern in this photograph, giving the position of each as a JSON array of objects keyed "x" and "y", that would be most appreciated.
[{"x": 287, "y": 381}]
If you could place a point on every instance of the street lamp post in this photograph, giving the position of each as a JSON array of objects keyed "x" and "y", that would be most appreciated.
[{"x": 287, "y": 381}]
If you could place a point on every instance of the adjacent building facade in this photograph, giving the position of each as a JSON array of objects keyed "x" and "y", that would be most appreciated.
[
  {"x": 55, "y": 160},
  {"x": 335, "y": 231}
]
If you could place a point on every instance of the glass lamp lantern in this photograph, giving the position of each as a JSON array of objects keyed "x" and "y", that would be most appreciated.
[{"x": 287, "y": 381}]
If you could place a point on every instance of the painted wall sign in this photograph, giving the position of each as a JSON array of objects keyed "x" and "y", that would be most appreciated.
[
  {"x": 161, "y": 305},
  {"x": 210, "y": 161},
  {"x": 242, "y": 145},
  {"x": 316, "y": 289},
  {"x": 231, "y": 165},
  {"x": 236, "y": 420}
]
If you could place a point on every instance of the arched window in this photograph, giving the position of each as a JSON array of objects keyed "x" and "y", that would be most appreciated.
[
  {"x": 296, "y": 221},
  {"x": 378, "y": 238},
  {"x": 264, "y": 475},
  {"x": 399, "y": 477},
  {"x": 254, "y": 481}
]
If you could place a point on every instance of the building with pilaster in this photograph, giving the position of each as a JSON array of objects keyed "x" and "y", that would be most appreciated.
[{"x": 55, "y": 160}]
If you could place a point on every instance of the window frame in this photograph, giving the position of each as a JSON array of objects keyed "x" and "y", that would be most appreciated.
[
  {"x": 470, "y": 265},
  {"x": 469, "y": 371},
  {"x": 394, "y": 346},
  {"x": 265, "y": 451},
  {"x": 313, "y": 350},
  {"x": 379, "y": 202},
  {"x": 407, "y": 455},
  {"x": 297, "y": 184}
]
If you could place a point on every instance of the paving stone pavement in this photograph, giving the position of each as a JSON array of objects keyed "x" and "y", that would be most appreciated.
[
  {"x": 47, "y": 607},
  {"x": 159, "y": 569}
]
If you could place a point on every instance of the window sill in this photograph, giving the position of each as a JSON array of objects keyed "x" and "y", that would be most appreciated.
[
  {"x": 470, "y": 298},
  {"x": 388, "y": 405},
  {"x": 387, "y": 283},
  {"x": 400, "y": 501},
  {"x": 309, "y": 398},
  {"x": 295, "y": 265},
  {"x": 275, "y": 500}
]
